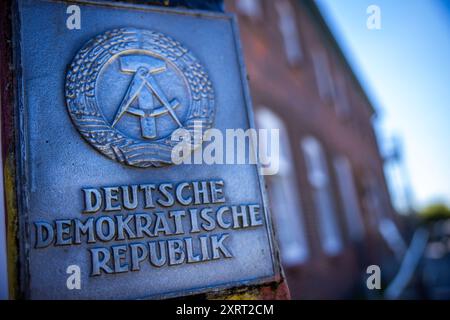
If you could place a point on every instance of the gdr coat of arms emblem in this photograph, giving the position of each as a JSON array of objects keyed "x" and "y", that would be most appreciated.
[{"x": 128, "y": 89}]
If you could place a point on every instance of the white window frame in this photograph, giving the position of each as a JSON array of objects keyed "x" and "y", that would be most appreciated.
[
  {"x": 250, "y": 8},
  {"x": 349, "y": 197},
  {"x": 285, "y": 196},
  {"x": 287, "y": 25},
  {"x": 318, "y": 177}
]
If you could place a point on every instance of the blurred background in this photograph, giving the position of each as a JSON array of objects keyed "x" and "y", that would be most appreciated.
[{"x": 360, "y": 91}]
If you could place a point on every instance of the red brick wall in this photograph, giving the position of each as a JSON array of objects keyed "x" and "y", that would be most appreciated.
[{"x": 291, "y": 92}]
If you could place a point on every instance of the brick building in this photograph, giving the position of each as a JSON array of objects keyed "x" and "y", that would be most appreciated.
[{"x": 330, "y": 201}]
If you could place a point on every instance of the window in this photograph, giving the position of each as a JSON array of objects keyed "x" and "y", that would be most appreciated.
[
  {"x": 284, "y": 196},
  {"x": 349, "y": 198},
  {"x": 288, "y": 29},
  {"x": 342, "y": 103},
  {"x": 323, "y": 75},
  {"x": 318, "y": 178},
  {"x": 250, "y": 8}
]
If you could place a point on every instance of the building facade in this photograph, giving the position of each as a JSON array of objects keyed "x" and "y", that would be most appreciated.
[{"x": 329, "y": 199}]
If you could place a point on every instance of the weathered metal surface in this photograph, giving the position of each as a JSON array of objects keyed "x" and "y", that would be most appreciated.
[{"x": 91, "y": 100}]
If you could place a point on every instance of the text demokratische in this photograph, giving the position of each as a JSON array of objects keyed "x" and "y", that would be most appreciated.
[{"x": 193, "y": 226}]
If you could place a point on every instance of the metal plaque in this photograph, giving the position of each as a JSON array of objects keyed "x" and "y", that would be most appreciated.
[{"x": 104, "y": 211}]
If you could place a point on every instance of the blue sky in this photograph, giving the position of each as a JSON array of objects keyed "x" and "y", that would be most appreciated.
[{"x": 405, "y": 68}]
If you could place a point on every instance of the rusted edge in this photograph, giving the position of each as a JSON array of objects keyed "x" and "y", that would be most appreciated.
[{"x": 7, "y": 98}]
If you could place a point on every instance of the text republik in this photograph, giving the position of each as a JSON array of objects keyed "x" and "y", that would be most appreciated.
[{"x": 164, "y": 236}]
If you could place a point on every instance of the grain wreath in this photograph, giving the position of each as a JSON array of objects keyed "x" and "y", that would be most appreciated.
[{"x": 143, "y": 53}]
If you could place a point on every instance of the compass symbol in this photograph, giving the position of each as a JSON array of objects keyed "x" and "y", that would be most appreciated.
[
  {"x": 143, "y": 87},
  {"x": 154, "y": 62}
]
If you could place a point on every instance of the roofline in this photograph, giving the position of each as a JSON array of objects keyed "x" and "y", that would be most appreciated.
[{"x": 315, "y": 11}]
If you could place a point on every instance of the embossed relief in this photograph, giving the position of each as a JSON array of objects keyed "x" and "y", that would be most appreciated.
[
  {"x": 132, "y": 229},
  {"x": 128, "y": 89},
  {"x": 190, "y": 222}
]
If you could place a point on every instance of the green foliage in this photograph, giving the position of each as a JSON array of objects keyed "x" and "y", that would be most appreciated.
[{"x": 435, "y": 212}]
